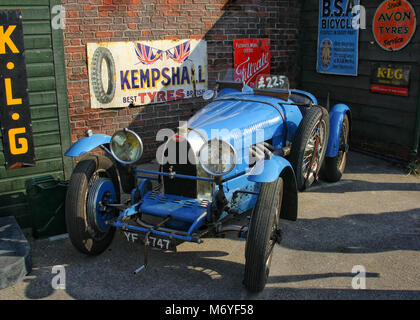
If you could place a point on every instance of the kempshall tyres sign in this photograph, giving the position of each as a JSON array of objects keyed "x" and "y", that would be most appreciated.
[{"x": 146, "y": 72}]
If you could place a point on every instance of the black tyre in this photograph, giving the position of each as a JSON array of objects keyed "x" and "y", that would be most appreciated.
[
  {"x": 334, "y": 167},
  {"x": 263, "y": 234},
  {"x": 102, "y": 95},
  {"x": 309, "y": 146},
  {"x": 86, "y": 235}
]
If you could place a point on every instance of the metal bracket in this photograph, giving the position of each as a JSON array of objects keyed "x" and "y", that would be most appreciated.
[
  {"x": 146, "y": 244},
  {"x": 146, "y": 250}
]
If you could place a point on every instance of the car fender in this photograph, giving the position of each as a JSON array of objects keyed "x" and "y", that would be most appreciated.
[
  {"x": 87, "y": 144},
  {"x": 337, "y": 114},
  {"x": 270, "y": 170}
]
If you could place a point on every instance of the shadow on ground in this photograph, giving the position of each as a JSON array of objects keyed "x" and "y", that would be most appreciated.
[{"x": 356, "y": 233}]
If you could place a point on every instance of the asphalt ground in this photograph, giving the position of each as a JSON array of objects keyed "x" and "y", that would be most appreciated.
[{"x": 369, "y": 221}]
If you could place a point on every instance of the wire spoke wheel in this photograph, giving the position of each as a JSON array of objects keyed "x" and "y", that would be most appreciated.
[
  {"x": 314, "y": 152},
  {"x": 309, "y": 146},
  {"x": 334, "y": 166},
  {"x": 344, "y": 138}
]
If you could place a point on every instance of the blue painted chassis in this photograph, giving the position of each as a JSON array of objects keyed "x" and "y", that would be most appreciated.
[{"x": 240, "y": 183}]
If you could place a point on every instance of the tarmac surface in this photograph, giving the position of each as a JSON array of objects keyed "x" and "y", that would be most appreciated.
[{"x": 369, "y": 221}]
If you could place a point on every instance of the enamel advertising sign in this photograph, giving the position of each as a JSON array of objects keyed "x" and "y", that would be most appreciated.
[
  {"x": 251, "y": 57},
  {"x": 338, "y": 38},
  {"x": 125, "y": 74},
  {"x": 393, "y": 79},
  {"x": 394, "y": 24},
  {"x": 15, "y": 115}
]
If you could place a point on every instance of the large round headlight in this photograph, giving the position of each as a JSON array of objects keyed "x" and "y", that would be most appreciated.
[
  {"x": 126, "y": 146},
  {"x": 217, "y": 157}
]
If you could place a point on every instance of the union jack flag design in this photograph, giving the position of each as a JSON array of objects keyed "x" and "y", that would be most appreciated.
[
  {"x": 180, "y": 52},
  {"x": 146, "y": 54}
]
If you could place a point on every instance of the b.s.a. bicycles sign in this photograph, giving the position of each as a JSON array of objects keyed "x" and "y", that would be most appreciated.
[{"x": 146, "y": 72}]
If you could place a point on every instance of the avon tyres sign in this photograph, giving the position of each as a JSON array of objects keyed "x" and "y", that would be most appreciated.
[
  {"x": 390, "y": 79},
  {"x": 146, "y": 72},
  {"x": 394, "y": 24},
  {"x": 15, "y": 117},
  {"x": 337, "y": 38},
  {"x": 251, "y": 58}
]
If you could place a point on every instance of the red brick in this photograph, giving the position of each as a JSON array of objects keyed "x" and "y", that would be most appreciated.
[
  {"x": 88, "y": 7},
  {"x": 72, "y": 14},
  {"x": 104, "y": 34},
  {"x": 107, "y": 8},
  {"x": 75, "y": 49},
  {"x": 132, "y": 20}
]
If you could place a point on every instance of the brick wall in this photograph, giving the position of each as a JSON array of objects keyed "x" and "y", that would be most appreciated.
[{"x": 217, "y": 21}]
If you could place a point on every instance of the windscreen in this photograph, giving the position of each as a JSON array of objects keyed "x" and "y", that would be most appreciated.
[{"x": 264, "y": 81}]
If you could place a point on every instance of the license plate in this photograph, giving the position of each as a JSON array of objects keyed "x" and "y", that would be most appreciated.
[{"x": 154, "y": 240}]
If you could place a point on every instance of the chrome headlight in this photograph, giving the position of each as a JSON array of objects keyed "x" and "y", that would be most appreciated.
[
  {"x": 217, "y": 157},
  {"x": 126, "y": 146}
]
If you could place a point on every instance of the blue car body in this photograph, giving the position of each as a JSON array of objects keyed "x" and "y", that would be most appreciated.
[{"x": 243, "y": 119}]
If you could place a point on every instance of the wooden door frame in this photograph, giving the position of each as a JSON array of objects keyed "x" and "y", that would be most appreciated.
[{"x": 61, "y": 90}]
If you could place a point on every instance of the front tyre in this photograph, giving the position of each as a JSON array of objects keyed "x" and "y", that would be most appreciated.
[
  {"x": 263, "y": 234},
  {"x": 92, "y": 184}
]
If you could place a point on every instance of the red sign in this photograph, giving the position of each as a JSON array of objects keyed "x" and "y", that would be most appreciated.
[
  {"x": 251, "y": 58},
  {"x": 394, "y": 24},
  {"x": 379, "y": 88}
]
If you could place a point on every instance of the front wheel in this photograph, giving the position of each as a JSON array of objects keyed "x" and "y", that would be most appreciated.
[
  {"x": 263, "y": 234},
  {"x": 92, "y": 185}
]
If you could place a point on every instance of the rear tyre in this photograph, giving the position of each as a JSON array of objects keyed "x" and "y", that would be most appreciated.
[
  {"x": 309, "y": 138},
  {"x": 93, "y": 180},
  {"x": 334, "y": 167},
  {"x": 263, "y": 234}
]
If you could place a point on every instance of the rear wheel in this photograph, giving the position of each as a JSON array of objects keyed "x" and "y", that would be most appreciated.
[
  {"x": 309, "y": 146},
  {"x": 334, "y": 167},
  {"x": 92, "y": 184},
  {"x": 263, "y": 234}
]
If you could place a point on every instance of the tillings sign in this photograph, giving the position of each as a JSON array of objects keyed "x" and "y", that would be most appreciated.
[{"x": 146, "y": 72}]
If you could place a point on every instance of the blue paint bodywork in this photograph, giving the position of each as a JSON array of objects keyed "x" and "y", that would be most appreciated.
[
  {"x": 243, "y": 119},
  {"x": 105, "y": 192},
  {"x": 185, "y": 211},
  {"x": 337, "y": 114},
  {"x": 268, "y": 170},
  {"x": 87, "y": 144}
]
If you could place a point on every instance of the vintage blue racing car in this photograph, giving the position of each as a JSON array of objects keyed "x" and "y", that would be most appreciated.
[{"x": 247, "y": 152}]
